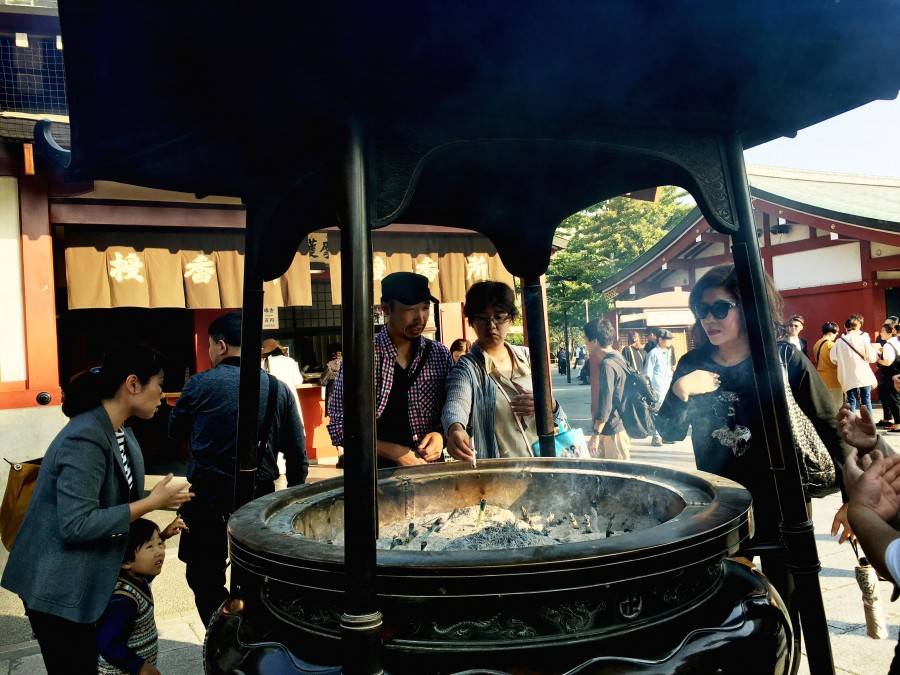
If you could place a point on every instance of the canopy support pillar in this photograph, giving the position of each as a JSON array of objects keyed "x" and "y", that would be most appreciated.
[
  {"x": 796, "y": 529},
  {"x": 361, "y": 621},
  {"x": 251, "y": 348},
  {"x": 536, "y": 325}
]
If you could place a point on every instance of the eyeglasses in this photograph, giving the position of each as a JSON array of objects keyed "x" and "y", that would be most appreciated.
[
  {"x": 499, "y": 319},
  {"x": 719, "y": 309}
]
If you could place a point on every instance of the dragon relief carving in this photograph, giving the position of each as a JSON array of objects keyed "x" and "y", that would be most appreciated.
[
  {"x": 300, "y": 610},
  {"x": 686, "y": 587},
  {"x": 572, "y": 618},
  {"x": 497, "y": 626}
]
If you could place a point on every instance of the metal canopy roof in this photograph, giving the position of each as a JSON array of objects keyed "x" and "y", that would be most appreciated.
[{"x": 500, "y": 117}]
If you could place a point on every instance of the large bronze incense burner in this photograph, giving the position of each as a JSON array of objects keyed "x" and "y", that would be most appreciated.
[{"x": 652, "y": 590}]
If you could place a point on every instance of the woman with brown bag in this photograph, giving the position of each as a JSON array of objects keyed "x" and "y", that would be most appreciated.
[{"x": 90, "y": 487}]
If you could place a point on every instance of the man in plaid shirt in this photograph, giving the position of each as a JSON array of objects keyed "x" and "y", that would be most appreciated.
[{"x": 410, "y": 375}]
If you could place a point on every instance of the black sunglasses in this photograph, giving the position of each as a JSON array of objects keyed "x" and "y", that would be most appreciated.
[{"x": 719, "y": 309}]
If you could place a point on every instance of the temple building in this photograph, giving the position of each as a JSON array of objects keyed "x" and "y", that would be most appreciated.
[{"x": 831, "y": 242}]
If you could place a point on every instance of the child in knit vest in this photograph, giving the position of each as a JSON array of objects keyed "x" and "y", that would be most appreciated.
[{"x": 126, "y": 633}]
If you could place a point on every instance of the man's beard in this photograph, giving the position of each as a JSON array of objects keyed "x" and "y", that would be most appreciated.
[{"x": 412, "y": 333}]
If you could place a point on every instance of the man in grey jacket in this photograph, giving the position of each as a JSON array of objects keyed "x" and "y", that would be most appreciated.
[
  {"x": 609, "y": 438},
  {"x": 206, "y": 417}
]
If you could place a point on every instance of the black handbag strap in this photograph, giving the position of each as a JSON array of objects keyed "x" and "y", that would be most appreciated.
[
  {"x": 854, "y": 349},
  {"x": 271, "y": 404},
  {"x": 414, "y": 374},
  {"x": 819, "y": 350}
]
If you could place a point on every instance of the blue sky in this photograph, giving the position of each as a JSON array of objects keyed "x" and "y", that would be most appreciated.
[{"x": 862, "y": 141}]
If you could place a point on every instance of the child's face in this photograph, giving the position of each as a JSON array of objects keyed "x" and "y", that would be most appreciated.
[{"x": 148, "y": 559}]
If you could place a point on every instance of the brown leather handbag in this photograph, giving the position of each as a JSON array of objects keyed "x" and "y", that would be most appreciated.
[{"x": 19, "y": 487}]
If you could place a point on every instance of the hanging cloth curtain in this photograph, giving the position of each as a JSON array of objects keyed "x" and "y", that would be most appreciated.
[
  {"x": 194, "y": 270},
  {"x": 452, "y": 262}
]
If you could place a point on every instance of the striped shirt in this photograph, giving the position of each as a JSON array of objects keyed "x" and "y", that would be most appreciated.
[
  {"x": 120, "y": 439},
  {"x": 426, "y": 393}
]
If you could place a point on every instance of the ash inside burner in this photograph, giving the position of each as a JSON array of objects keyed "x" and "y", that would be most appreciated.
[
  {"x": 498, "y": 528},
  {"x": 506, "y": 535}
]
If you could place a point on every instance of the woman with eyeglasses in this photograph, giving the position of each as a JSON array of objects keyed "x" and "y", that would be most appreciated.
[
  {"x": 489, "y": 410},
  {"x": 713, "y": 392}
]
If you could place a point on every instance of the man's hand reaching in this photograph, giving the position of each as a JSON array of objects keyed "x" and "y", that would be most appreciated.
[
  {"x": 431, "y": 446},
  {"x": 857, "y": 429},
  {"x": 866, "y": 486}
]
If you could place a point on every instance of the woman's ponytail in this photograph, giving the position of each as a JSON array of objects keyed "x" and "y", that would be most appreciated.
[
  {"x": 82, "y": 393},
  {"x": 89, "y": 389}
]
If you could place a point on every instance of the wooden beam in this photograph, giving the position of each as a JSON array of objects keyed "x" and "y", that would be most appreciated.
[
  {"x": 806, "y": 245},
  {"x": 766, "y": 248},
  {"x": 68, "y": 213},
  {"x": 825, "y": 290},
  {"x": 41, "y": 347},
  {"x": 694, "y": 263},
  {"x": 671, "y": 253},
  {"x": 717, "y": 237},
  {"x": 649, "y": 288},
  {"x": 888, "y": 262},
  {"x": 826, "y": 224},
  {"x": 865, "y": 260}
]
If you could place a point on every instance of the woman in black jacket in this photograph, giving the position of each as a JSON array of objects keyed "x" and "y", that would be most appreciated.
[{"x": 713, "y": 392}]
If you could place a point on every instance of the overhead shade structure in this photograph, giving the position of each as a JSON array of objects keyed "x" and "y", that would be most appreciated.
[
  {"x": 451, "y": 263},
  {"x": 504, "y": 117},
  {"x": 110, "y": 268},
  {"x": 468, "y": 127}
]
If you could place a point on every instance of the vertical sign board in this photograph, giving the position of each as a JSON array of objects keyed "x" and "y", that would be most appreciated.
[{"x": 270, "y": 318}]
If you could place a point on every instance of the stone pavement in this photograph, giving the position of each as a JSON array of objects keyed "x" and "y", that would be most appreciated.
[
  {"x": 181, "y": 632},
  {"x": 180, "y": 629}
]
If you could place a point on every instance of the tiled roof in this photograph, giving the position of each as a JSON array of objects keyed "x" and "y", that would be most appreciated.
[
  {"x": 870, "y": 201},
  {"x": 861, "y": 197}
]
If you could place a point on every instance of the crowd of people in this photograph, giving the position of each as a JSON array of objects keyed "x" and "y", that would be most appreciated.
[{"x": 85, "y": 556}]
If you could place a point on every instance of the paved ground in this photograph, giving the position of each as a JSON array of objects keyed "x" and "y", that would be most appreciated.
[
  {"x": 854, "y": 652},
  {"x": 181, "y": 631}
]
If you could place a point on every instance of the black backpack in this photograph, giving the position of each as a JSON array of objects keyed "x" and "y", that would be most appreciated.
[{"x": 638, "y": 401}]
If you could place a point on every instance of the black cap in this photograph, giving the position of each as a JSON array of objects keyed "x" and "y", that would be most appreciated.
[{"x": 408, "y": 288}]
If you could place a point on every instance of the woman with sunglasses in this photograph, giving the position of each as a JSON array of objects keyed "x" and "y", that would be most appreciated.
[
  {"x": 713, "y": 393},
  {"x": 489, "y": 411}
]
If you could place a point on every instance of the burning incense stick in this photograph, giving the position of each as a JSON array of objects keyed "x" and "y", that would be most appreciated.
[{"x": 480, "y": 522}]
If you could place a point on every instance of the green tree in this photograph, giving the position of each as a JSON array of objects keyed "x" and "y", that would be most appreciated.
[{"x": 604, "y": 239}]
